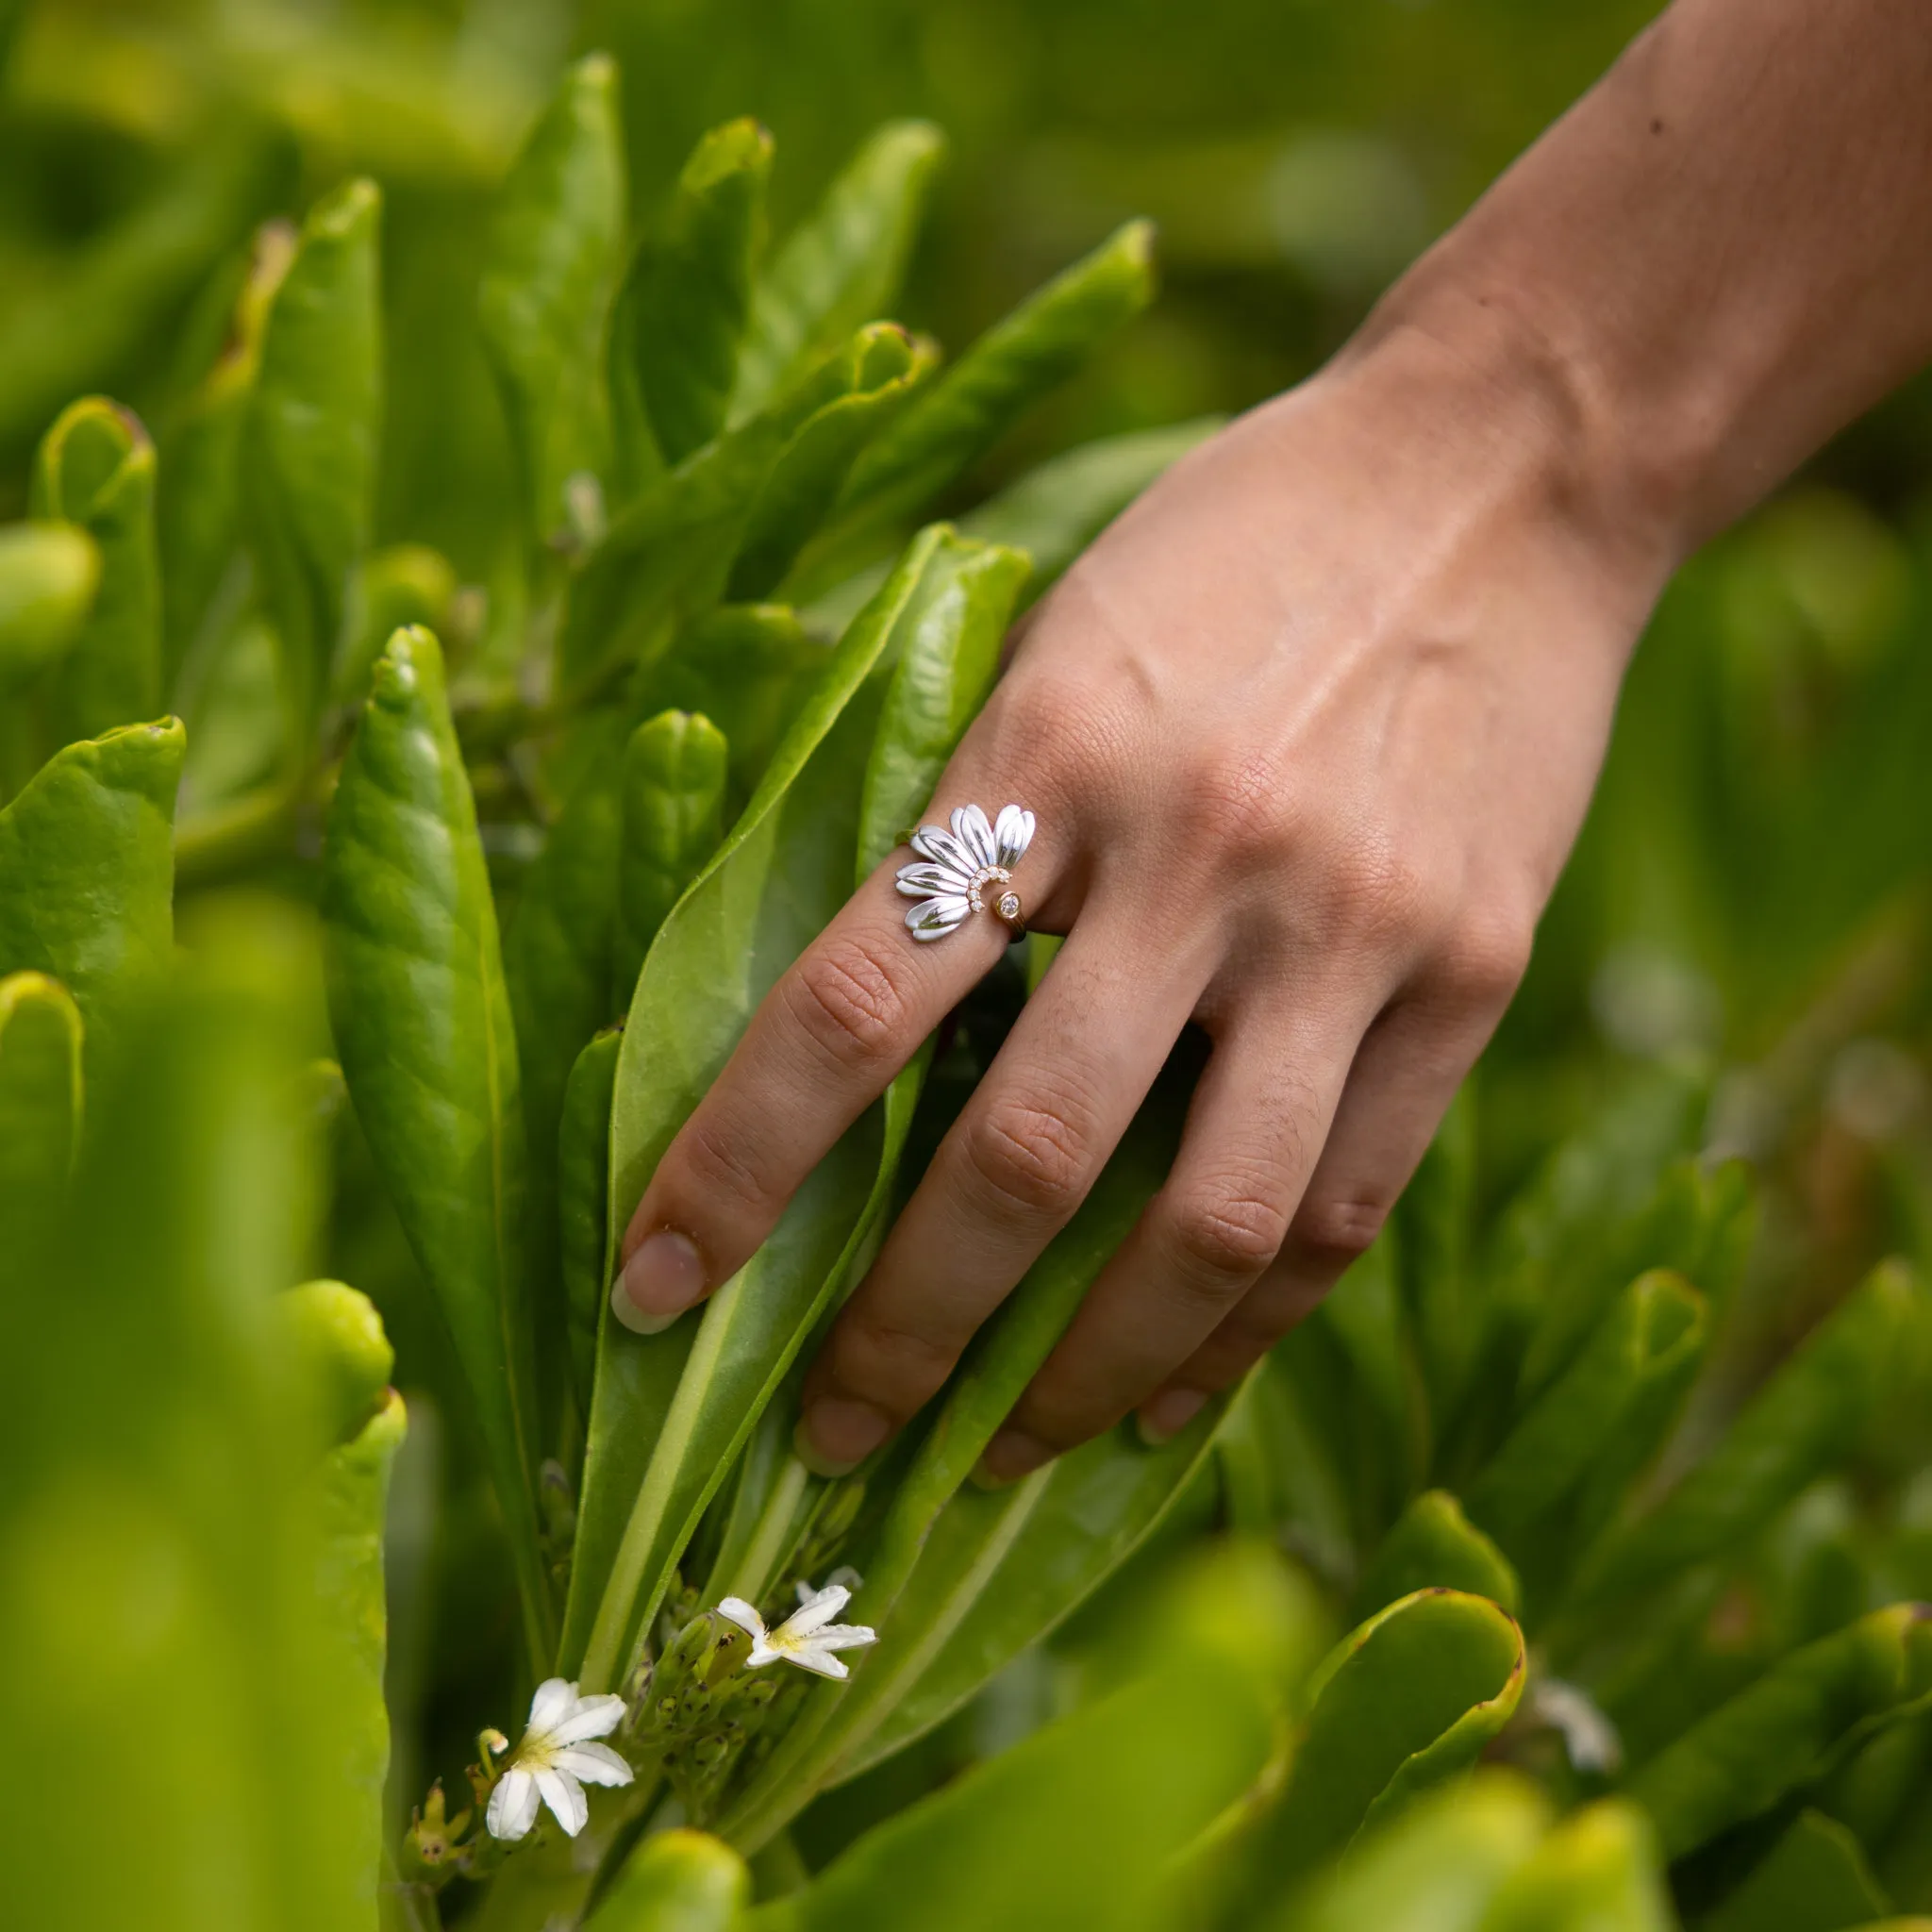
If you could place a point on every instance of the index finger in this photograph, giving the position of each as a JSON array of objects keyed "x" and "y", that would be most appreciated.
[{"x": 825, "y": 1041}]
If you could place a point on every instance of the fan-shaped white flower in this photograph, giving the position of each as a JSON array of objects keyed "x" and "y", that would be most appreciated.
[
  {"x": 960, "y": 864},
  {"x": 807, "y": 1637},
  {"x": 555, "y": 1760}
]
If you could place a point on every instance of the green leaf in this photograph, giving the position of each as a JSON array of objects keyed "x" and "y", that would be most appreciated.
[
  {"x": 548, "y": 271},
  {"x": 39, "y": 1104},
  {"x": 676, "y": 1881},
  {"x": 1798, "y": 1424},
  {"x": 1435, "y": 1233},
  {"x": 97, "y": 468},
  {"x": 746, "y": 667},
  {"x": 960, "y": 417},
  {"x": 1434, "y": 1545},
  {"x": 1789, "y": 1728},
  {"x": 1076, "y": 1825},
  {"x": 48, "y": 572},
  {"x": 422, "y": 1031},
  {"x": 312, "y": 443},
  {"x": 583, "y": 1198},
  {"x": 199, "y": 509},
  {"x": 87, "y": 872},
  {"x": 1596, "y": 1872},
  {"x": 887, "y": 367},
  {"x": 673, "y": 818},
  {"x": 1440, "y": 1869},
  {"x": 1815, "y": 1878},
  {"x": 1407, "y": 1700},
  {"x": 338, "y": 1341},
  {"x": 785, "y": 870},
  {"x": 687, "y": 296},
  {"x": 1595, "y": 1429},
  {"x": 842, "y": 265}
]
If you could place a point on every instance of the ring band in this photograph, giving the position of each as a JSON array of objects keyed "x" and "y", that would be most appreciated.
[{"x": 961, "y": 865}]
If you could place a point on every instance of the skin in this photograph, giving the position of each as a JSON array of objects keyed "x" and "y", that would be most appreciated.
[{"x": 1310, "y": 729}]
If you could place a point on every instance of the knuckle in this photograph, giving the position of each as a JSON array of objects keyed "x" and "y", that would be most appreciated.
[
  {"x": 1332, "y": 1230},
  {"x": 889, "y": 1364},
  {"x": 1372, "y": 892},
  {"x": 1227, "y": 1234},
  {"x": 1484, "y": 960},
  {"x": 1029, "y": 1155},
  {"x": 1233, "y": 802},
  {"x": 716, "y": 1166},
  {"x": 845, "y": 1002}
]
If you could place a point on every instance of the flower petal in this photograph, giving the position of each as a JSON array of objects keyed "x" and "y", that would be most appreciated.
[
  {"x": 512, "y": 1806},
  {"x": 972, "y": 830},
  {"x": 937, "y": 843},
  {"x": 843, "y": 1637},
  {"x": 566, "y": 1799},
  {"x": 820, "y": 1664},
  {"x": 915, "y": 879},
  {"x": 741, "y": 1612},
  {"x": 820, "y": 1606},
  {"x": 1012, "y": 833},
  {"x": 594, "y": 1717},
  {"x": 933, "y": 919},
  {"x": 761, "y": 1653},
  {"x": 551, "y": 1702},
  {"x": 596, "y": 1764}
]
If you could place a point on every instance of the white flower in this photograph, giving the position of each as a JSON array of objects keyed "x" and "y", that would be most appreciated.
[
  {"x": 962, "y": 863},
  {"x": 807, "y": 1637},
  {"x": 554, "y": 1762}
]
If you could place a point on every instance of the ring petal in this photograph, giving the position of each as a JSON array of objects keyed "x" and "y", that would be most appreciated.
[
  {"x": 1012, "y": 834},
  {"x": 933, "y": 919},
  {"x": 972, "y": 830},
  {"x": 939, "y": 844},
  {"x": 916, "y": 881}
]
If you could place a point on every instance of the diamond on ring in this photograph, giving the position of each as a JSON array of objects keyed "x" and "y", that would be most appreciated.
[{"x": 961, "y": 865}]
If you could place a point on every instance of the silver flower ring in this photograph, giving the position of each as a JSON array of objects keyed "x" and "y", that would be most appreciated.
[{"x": 961, "y": 865}]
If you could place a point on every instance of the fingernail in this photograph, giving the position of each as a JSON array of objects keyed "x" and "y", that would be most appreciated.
[
  {"x": 660, "y": 1280},
  {"x": 835, "y": 1435},
  {"x": 1168, "y": 1414},
  {"x": 1010, "y": 1454}
]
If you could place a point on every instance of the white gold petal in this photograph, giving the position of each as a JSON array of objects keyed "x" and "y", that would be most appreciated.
[
  {"x": 512, "y": 1806},
  {"x": 740, "y": 1612},
  {"x": 566, "y": 1799},
  {"x": 1012, "y": 834},
  {"x": 972, "y": 830},
  {"x": 933, "y": 919},
  {"x": 595, "y": 1765},
  {"x": 594, "y": 1717},
  {"x": 551, "y": 1702},
  {"x": 820, "y": 1607},
  {"x": 914, "y": 880},
  {"x": 937, "y": 844}
]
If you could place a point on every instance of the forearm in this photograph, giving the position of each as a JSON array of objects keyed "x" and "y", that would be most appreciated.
[{"x": 1719, "y": 257}]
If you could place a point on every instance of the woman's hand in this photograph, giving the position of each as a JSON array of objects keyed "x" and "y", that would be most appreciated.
[{"x": 1308, "y": 733}]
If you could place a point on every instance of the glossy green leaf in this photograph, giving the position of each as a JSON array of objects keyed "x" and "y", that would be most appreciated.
[
  {"x": 1806, "y": 1417},
  {"x": 673, "y": 819},
  {"x": 1018, "y": 360},
  {"x": 40, "y": 1099},
  {"x": 786, "y": 867},
  {"x": 583, "y": 1199},
  {"x": 1440, "y": 1869},
  {"x": 887, "y": 366},
  {"x": 747, "y": 667},
  {"x": 1407, "y": 1700},
  {"x": 1789, "y": 1728},
  {"x": 199, "y": 510},
  {"x": 338, "y": 1341},
  {"x": 687, "y": 296},
  {"x": 48, "y": 572},
  {"x": 1596, "y": 1428},
  {"x": 87, "y": 872},
  {"x": 1434, "y": 1545},
  {"x": 1597, "y": 1871},
  {"x": 551, "y": 262},
  {"x": 676, "y": 1881},
  {"x": 1435, "y": 1230},
  {"x": 1815, "y": 1878},
  {"x": 1055, "y": 511},
  {"x": 422, "y": 1030},
  {"x": 311, "y": 444},
  {"x": 841, "y": 266},
  {"x": 1073, "y": 1827},
  {"x": 97, "y": 468}
]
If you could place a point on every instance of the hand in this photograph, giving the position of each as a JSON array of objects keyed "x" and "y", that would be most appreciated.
[{"x": 1308, "y": 733}]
